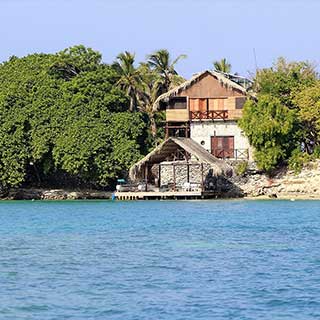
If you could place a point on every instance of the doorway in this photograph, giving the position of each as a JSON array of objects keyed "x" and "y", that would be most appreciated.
[{"x": 222, "y": 146}]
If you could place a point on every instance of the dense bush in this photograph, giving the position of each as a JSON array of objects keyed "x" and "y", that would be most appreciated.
[
  {"x": 241, "y": 168},
  {"x": 285, "y": 114},
  {"x": 63, "y": 113}
]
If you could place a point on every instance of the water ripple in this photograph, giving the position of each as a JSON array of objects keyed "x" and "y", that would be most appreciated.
[{"x": 159, "y": 260}]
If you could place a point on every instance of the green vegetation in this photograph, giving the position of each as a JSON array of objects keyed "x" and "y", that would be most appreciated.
[
  {"x": 67, "y": 119},
  {"x": 283, "y": 121},
  {"x": 241, "y": 168},
  {"x": 222, "y": 66}
]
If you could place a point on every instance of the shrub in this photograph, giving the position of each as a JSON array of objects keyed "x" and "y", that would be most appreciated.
[
  {"x": 316, "y": 152},
  {"x": 241, "y": 168},
  {"x": 298, "y": 159}
]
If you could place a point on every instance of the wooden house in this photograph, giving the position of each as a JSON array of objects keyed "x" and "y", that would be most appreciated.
[
  {"x": 201, "y": 132},
  {"x": 206, "y": 109}
]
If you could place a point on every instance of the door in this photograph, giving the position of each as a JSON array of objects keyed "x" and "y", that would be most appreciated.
[
  {"x": 198, "y": 105},
  {"x": 222, "y": 146},
  {"x": 203, "y": 105}
]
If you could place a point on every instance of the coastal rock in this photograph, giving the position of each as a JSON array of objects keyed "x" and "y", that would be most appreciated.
[
  {"x": 55, "y": 194},
  {"x": 306, "y": 184}
]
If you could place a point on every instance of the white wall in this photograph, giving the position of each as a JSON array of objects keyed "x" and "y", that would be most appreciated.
[{"x": 203, "y": 131}]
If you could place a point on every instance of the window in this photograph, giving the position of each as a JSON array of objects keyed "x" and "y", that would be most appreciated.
[
  {"x": 240, "y": 102},
  {"x": 178, "y": 103}
]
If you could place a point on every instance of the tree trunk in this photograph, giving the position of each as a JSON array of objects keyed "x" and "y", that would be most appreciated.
[
  {"x": 131, "y": 108},
  {"x": 153, "y": 125}
]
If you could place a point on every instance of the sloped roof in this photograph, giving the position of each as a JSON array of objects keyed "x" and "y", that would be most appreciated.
[
  {"x": 166, "y": 148},
  {"x": 222, "y": 78}
]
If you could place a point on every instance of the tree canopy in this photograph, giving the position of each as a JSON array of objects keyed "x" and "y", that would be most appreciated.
[
  {"x": 283, "y": 119},
  {"x": 68, "y": 118},
  {"x": 222, "y": 66},
  {"x": 62, "y": 115}
]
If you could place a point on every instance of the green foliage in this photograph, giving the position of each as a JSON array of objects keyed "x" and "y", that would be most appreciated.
[
  {"x": 74, "y": 60},
  {"x": 129, "y": 78},
  {"x": 284, "y": 80},
  {"x": 161, "y": 63},
  {"x": 64, "y": 113},
  {"x": 298, "y": 159},
  {"x": 286, "y": 114},
  {"x": 222, "y": 66},
  {"x": 316, "y": 152},
  {"x": 67, "y": 115},
  {"x": 241, "y": 168},
  {"x": 269, "y": 127},
  {"x": 308, "y": 104},
  {"x": 101, "y": 149}
]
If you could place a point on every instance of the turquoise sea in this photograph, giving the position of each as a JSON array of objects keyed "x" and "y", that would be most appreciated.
[{"x": 160, "y": 260}]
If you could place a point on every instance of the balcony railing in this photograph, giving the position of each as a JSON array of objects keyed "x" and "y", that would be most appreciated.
[
  {"x": 237, "y": 154},
  {"x": 209, "y": 115}
]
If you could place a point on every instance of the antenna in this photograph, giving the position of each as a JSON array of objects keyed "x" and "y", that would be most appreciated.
[{"x": 255, "y": 59}]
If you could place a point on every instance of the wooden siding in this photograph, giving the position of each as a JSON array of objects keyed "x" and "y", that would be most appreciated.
[
  {"x": 208, "y": 95},
  {"x": 234, "y": 114},
  {"x": 178, "y": 115},
  {"x": 218, "y": 104},
  {"x": 207, "y": 104},
  {"x": 209, "y": 86}
]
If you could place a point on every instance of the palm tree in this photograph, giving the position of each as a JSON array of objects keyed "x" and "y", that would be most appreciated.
[
  {"x": 148, "y": 94},
  {"x": 161, "y": 63},
  {"x": 129, "y": 77},
  {"x": 222, "y": 66}
]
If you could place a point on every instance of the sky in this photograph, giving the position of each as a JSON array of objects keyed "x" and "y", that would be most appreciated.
[{"x": 248, "y": 33}]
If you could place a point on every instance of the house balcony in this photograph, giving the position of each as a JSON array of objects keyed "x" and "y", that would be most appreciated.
[
  {"x": 183, "y": 115},
  {"x": 209, "y": 115}
]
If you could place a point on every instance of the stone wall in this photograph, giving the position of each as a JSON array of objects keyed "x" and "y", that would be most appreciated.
[
  {"x": 219, "y": 184},
  {"x": 181, "y": 173}
]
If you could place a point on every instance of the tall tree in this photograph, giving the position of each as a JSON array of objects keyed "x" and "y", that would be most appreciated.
[
  {"x": 67, "y": 128},
  {"x": 270, "y": 128},
  {"x": 161, "y": 62},
  {"x": 308, "y": 103},
  {"x": 129, "y": 77},
  {"x": 148, "y": 94},
  {"x": 70, "y": 62},
  {"x": 285, "y": 79},
  {"x": 222, "y": 66},
  {"x": 285, "y": 116}
]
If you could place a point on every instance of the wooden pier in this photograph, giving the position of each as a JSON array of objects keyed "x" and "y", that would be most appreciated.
[{"x": 166, "y": 195}]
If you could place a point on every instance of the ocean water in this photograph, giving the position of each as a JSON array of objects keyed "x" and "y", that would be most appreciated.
[{"x": 160, "y": 260}]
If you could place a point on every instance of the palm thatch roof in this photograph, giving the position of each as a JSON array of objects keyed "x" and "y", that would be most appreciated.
[
  {"x": 169, "y": 146},
  {"x": 221, "y": 77}
]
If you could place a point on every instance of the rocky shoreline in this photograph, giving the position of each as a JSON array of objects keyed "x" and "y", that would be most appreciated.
[
  {"x": 284, "y": 185},
  {"x": 252, "y": 185},
  {"x": 56, "y": 194}
]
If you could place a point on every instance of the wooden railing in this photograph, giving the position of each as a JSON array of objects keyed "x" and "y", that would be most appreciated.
[
  {"x": 237, "y": 154},
  {"x": 209, "y": 115}
]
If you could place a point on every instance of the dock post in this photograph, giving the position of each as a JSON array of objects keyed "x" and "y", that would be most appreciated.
[
  {"x": 188, "y": 172},
  {"x": 202, "y": 181},
  {"x": 146, "y": 176},
  {"x": 174, "y": 176}
]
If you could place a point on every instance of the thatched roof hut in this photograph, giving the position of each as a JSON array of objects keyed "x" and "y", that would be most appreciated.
[
  {"x": 221, "y": 77},
  {"x": 168, "y": 147}
]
